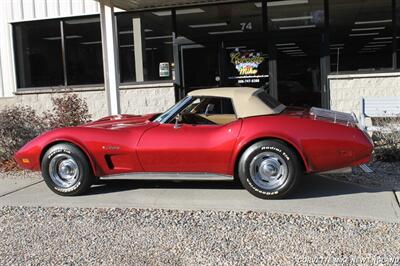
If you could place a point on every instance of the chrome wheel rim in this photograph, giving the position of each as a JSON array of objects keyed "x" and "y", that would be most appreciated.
[
  {"x": 268, "y": 170},
  {"x": 64, "y": 170}
]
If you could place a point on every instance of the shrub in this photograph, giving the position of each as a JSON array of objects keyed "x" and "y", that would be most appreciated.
[
  {"x": 387, "y": 142},
  {"x": 68, "y": 111},
  {"x": 20, "y": 124}
]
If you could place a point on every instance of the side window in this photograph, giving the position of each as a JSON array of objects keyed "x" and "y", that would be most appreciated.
[
  {"x": 226, "y": 106},
  {"x": 209, "y": 111},
  {"x": 216, "y": 106}
]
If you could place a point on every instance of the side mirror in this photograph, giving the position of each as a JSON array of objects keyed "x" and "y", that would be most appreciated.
[
  {"x": 209, "y": 109},
  {"x": 178, "y": 120}
]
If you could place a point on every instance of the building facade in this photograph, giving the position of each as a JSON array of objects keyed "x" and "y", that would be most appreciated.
[{"x": 326, "y": 53}]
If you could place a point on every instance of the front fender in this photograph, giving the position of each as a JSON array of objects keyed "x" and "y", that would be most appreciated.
[{"x": 30, "y": 155}]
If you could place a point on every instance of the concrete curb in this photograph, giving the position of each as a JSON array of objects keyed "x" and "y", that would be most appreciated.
[
  {"x": 10, "y": 186},
  {"x": 315, "y": 197},
  {"x": 397, "y": 195}
]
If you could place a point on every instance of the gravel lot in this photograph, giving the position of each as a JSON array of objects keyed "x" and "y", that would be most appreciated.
[
  {"x": 129, "y": 236},
  {"x": 19, "y": 175},
  {"x": 71, "y": 236}
]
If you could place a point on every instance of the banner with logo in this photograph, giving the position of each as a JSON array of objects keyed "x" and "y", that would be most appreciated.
[{"x": 247, "y": 64}]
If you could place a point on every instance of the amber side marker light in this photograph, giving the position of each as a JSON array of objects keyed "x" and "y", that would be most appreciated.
[{"x": 26, "y": 161}]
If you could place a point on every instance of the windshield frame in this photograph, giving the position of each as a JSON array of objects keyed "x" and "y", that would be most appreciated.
[{"x": 174, "y": 110}]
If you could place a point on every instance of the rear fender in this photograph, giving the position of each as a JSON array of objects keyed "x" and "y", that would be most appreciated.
[{"x": 243, "y": 144}]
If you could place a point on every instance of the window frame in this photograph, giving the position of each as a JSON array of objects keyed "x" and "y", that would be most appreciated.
[
  {"x": 15, "y": 57},
  {"x": 64, "y": 62}
]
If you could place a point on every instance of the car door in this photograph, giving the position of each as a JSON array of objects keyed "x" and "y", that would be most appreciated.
[
  {"x": 189, "y": 148},
  {"x": 192, "y": 148}
]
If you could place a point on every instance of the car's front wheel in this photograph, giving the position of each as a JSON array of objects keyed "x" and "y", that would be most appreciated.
[
  {"x": 269, "y": 169},
  {"x": 66, "y": 170}
]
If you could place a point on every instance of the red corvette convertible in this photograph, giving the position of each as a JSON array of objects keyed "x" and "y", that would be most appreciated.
[{"x": 239, "y": 132}]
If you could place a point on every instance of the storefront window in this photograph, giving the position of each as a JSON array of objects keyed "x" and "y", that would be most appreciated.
[
  {"x": 222, "y": 45},
  {"x": 83, "y": 51},
  {"x": 397, "y": 32},
  {"x": 153, "y": 61},
  {"x": 296, "y": 29},
  {"x": 361, "y": 35},
  {"x": 38, "y": 54}
]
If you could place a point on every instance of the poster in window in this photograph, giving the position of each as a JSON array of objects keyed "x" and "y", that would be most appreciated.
[
  {"x": 247, "y": 65},
  {"x": 164, "y": 70}
]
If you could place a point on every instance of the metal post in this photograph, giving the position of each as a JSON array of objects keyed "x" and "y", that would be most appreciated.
[
  {"x": 64, "y": 53},
  {"x": 269, "y": 43},
  {"x": 325, "y": 59},
  {"x": 138, "y": 47},
  {"x": 395, "y": 32},
  {"x": 110, "y": 56},
  {"x": 1, "y": 80}
]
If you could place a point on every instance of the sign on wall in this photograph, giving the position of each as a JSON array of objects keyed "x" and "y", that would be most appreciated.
[{"x": 247, "y": 65}]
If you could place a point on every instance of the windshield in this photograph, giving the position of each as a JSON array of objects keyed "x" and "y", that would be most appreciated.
[{"x": 173, "y": 110}]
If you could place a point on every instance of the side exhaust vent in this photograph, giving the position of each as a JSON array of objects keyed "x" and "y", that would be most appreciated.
[{"x": 109, "y": 162}]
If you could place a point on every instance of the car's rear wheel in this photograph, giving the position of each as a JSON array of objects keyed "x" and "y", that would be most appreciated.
[
  {"x": 66, "y": 170},
  {"x": 269, "y": 169}
]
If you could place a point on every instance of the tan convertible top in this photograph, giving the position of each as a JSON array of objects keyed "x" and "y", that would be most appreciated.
[{"x": 245, "y": 100}]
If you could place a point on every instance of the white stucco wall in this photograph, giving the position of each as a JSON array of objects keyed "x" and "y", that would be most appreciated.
[
  {"x": 137, "y": 99},
  {"x": 346, "y": 91}
]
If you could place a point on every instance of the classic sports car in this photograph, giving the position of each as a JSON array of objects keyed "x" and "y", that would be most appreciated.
[{"x": 239, "y": 132}]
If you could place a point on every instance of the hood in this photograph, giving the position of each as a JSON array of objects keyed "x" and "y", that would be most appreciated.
[{"x": 119, "y": 121}]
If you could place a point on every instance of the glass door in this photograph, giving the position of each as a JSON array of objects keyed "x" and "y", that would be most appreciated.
[{"x": 200, "y": 66}]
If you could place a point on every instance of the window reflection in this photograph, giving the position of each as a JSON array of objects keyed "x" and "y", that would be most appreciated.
[
  {"x": 222, "y": 45},
  {"x": 38, "y": 54},
  {"x": 296, "y": 30},
  {"x": 83, "y": 51},
  {"x": 361, "y": 35},
  {"x": 153, "y": 30}
]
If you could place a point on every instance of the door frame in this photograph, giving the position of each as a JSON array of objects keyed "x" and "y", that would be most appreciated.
[{"x": 182, "y": 49}]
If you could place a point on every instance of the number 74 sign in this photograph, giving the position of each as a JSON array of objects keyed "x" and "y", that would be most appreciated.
[{"x": 246, "y": 26}]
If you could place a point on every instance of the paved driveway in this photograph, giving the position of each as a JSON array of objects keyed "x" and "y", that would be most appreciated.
[{"x": 315, "y": 196}]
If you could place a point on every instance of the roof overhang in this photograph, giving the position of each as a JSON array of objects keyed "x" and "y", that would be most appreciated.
[{"x": 132, "y": 5}]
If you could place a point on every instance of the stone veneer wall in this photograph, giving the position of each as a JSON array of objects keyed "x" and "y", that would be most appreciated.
[
  {"x": 134, "y": 99},
  {"x": 346, "y": 91}
]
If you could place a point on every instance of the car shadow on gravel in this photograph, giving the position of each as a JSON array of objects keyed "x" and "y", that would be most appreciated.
[{"x": 312, "y": 186}]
